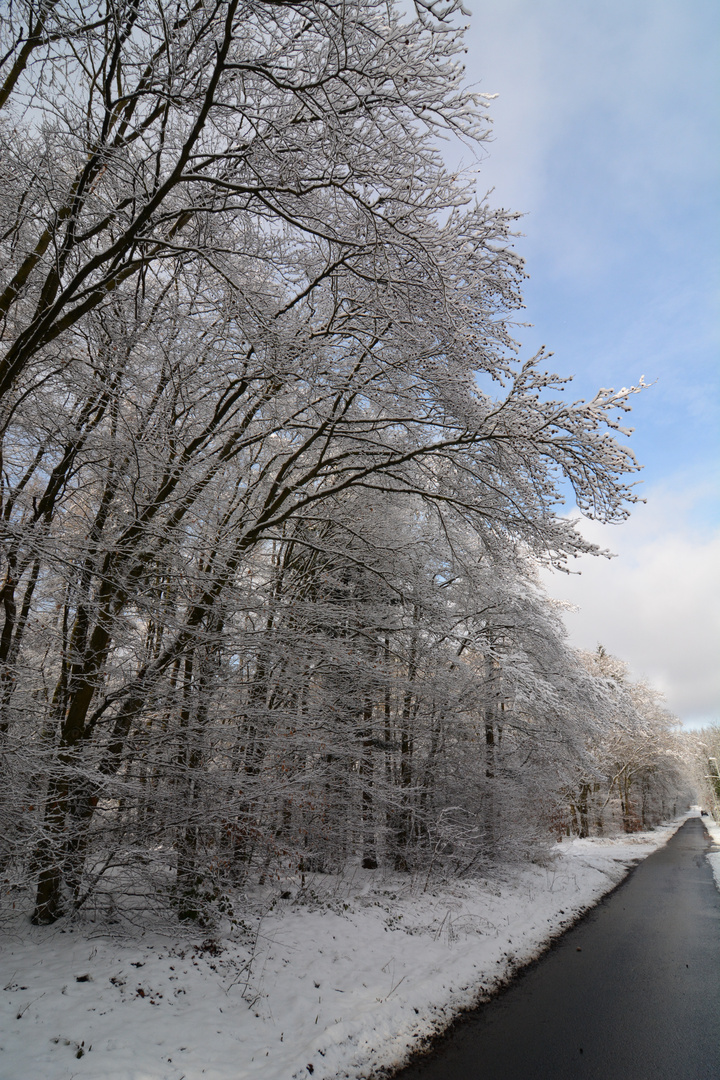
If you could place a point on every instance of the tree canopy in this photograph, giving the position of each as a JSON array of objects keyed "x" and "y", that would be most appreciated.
[{"x": 268, "y": 537}]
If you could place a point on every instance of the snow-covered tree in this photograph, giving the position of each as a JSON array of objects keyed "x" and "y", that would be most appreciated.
[
  {"x": 701, "y": 752},
  {"x": 244, "y": 314},
  {"x": 635, "y": 768}
]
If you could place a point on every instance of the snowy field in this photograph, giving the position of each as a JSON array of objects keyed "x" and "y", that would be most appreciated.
[{"x": 342, "y": 984}]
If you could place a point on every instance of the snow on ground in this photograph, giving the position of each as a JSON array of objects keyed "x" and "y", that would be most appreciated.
[
  {"x": 342, "y": 984},
  {"x": 713, "y": 827}
]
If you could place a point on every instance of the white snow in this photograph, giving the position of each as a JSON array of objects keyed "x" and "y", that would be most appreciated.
[
  {"x": 713, "y": 828},
  {"x": 342, "y": 984}
]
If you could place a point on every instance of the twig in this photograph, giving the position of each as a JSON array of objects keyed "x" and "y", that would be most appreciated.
[{"x": 394, "y": 988}]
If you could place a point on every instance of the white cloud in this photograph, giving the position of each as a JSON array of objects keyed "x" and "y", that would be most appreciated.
[{"x": 657, "y": 605}]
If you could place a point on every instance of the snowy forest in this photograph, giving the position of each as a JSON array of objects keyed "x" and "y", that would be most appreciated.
[{"x": 276, "y": 481}]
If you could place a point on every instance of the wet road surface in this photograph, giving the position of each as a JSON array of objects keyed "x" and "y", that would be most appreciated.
[{"x": 630, "y": 993}]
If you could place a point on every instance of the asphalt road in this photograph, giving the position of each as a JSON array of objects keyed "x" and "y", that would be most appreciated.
[{"x": 632, "y": 992}]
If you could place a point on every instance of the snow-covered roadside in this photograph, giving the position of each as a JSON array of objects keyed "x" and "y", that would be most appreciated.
[
  {"x": 340, "y": 988},
  {"x": 713, "y": 827}
]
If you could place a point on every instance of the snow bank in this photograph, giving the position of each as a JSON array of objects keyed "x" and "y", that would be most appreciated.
[
  {"x": 343, "y": 986},
  {"x": 713, "y": 828}
]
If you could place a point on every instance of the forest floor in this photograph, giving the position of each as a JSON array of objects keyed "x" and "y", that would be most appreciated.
[{"x": 339, "y": 981}]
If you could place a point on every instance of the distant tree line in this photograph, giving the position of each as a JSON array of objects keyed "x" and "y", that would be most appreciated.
[{"x": 702, "y": 748}]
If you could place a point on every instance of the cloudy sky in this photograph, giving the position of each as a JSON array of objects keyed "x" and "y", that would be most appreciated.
[{"x": 606, "y": 134}]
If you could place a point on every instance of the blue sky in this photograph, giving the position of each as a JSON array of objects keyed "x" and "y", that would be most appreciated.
[{"x": 606, "y": 134}]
